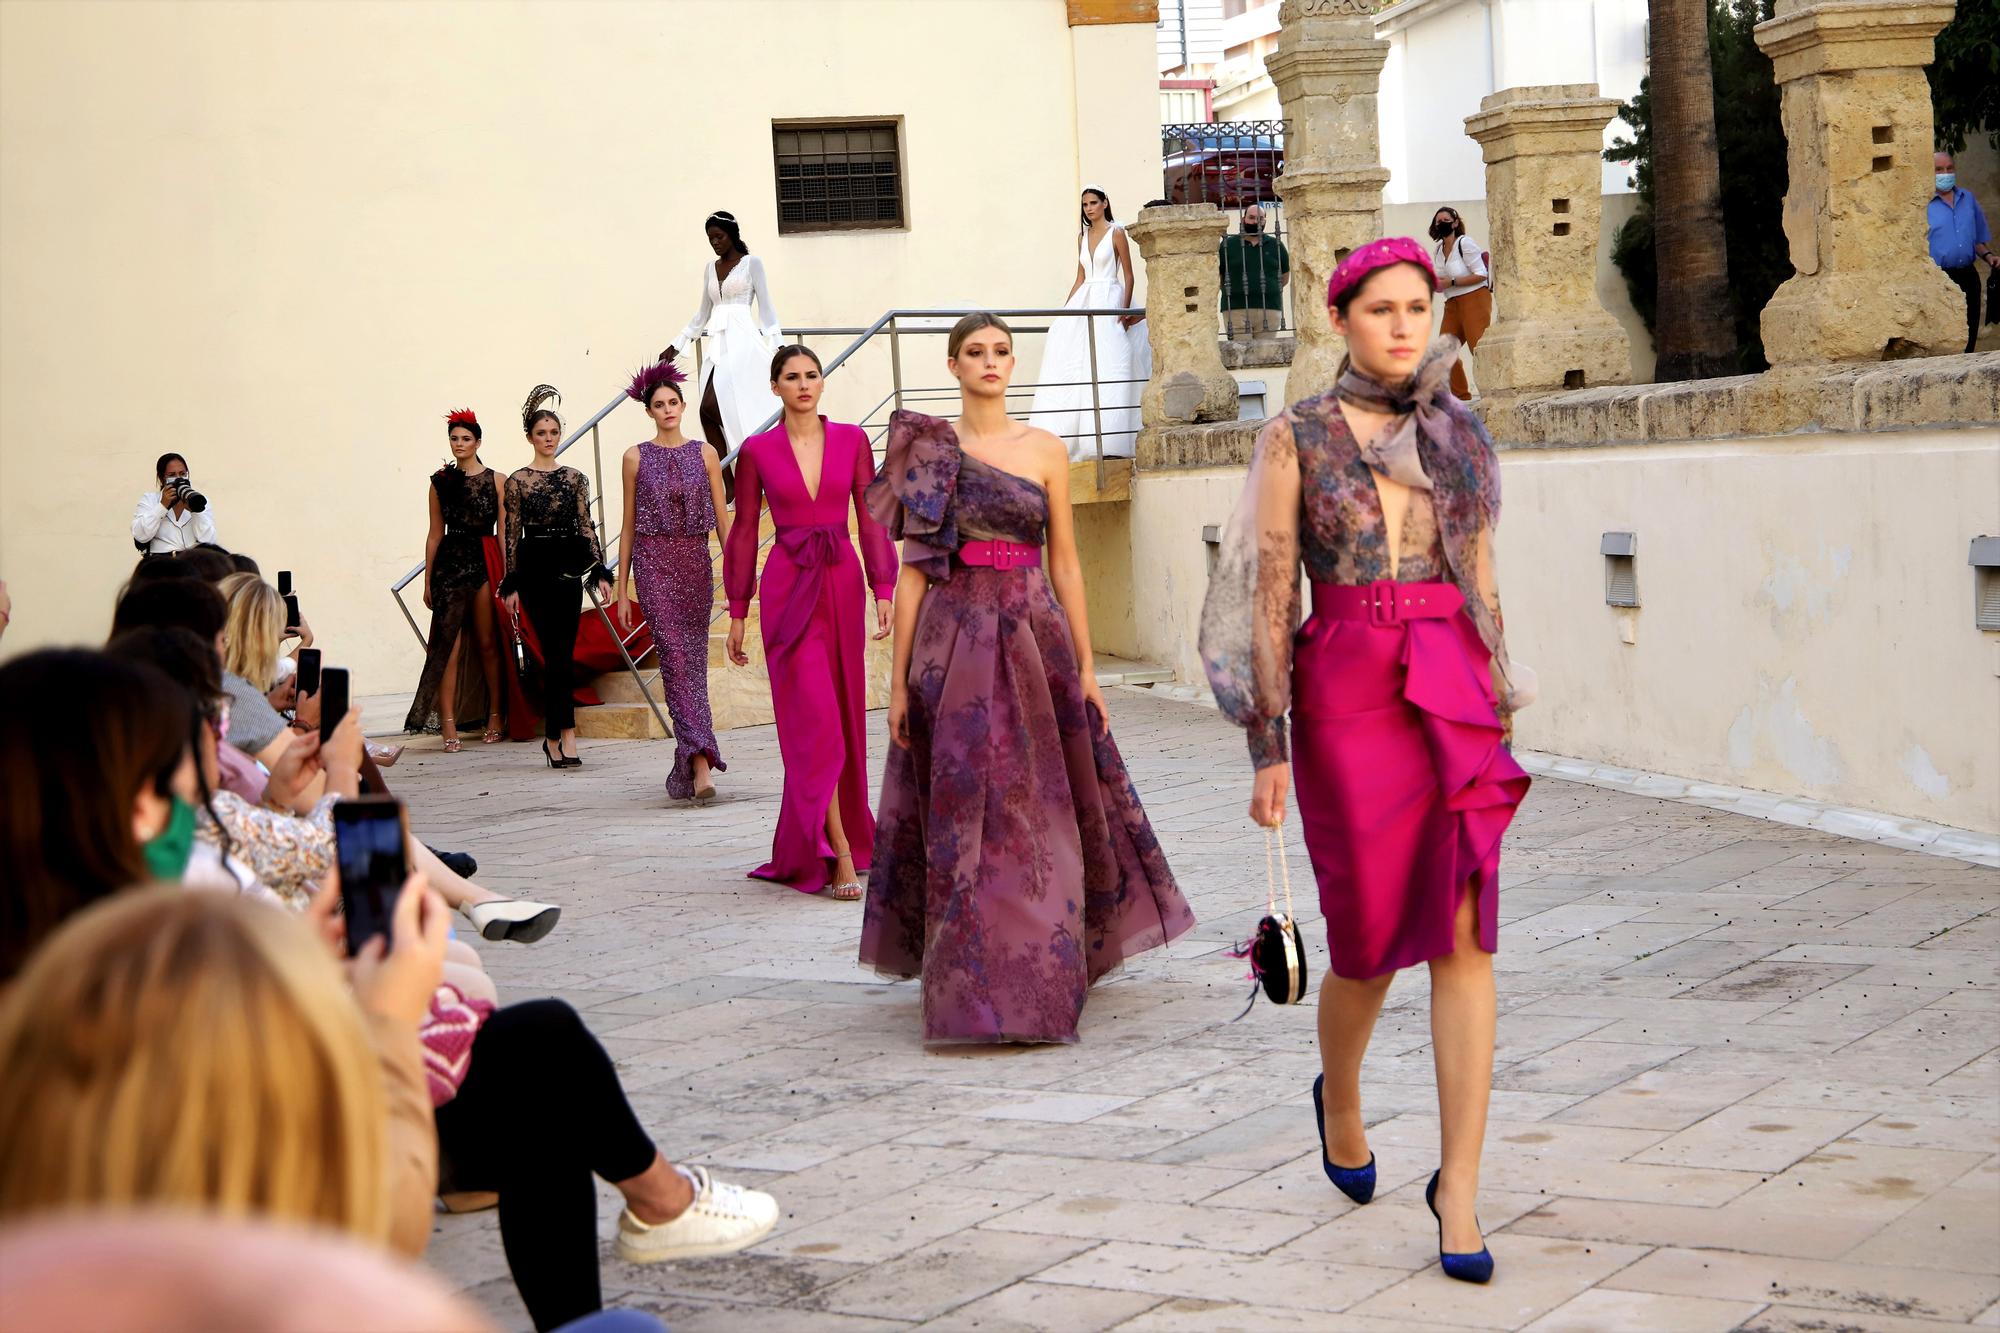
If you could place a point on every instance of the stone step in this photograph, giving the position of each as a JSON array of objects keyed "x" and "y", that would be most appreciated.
[
  {"x": 1119, "y": 671},
  {"x": 619, "y": 722},
  {"x": 741, "y": 696}
]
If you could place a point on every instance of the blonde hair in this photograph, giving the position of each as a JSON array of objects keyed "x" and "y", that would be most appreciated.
[
  {"x": 176, "y": 1047},
  {"x": 254, "y": 629}
]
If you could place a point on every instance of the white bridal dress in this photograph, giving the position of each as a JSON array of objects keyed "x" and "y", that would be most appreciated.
[
  {"x": 1124, "y": 361},
  {"x": 736, "y": 349}
]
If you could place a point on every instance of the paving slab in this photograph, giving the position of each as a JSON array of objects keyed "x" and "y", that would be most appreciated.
[{"x": 1746, "y": 1075}]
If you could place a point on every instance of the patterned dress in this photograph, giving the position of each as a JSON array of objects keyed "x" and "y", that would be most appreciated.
[
  {"x": 470, "y": 507},
  {"x": 1014, "y": 865},
  {"x": 673, "y": 513},
  {"x": 1404, "y": 784}
]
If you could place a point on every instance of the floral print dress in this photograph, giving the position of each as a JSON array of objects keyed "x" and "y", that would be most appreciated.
[{"x": 1014, "y": 865}]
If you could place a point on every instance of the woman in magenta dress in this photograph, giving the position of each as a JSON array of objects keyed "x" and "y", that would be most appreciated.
[
  {"x": 673, "y": 500},
  {"x": 1388, "y": 488},
  {"x": 812, "y": 608},
  {"x": 1013, "y": 864}
]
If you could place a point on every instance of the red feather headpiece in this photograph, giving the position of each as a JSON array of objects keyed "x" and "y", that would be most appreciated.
[
  {"x": 462, "y": 417},
  {"x": 663, "y": 371}
]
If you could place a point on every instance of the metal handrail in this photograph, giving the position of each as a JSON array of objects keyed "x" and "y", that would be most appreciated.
[{"x": 890, "y": 320}]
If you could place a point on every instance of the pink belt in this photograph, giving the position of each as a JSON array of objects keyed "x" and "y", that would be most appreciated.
[
  {"x": 1386, "y": 603},
  {"x": 1000, "y": 555}
]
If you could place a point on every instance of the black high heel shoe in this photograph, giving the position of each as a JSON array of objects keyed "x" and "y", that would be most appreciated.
[
  {"x": 555, "y": 760},
  {"x": 1356, "y": 1182},
  {"x": 1471, "y": 1266}
]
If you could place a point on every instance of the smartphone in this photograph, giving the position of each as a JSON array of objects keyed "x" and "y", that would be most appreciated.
[
  {"x": 332, "y": 701},
  {"x": 284, "y": 583},
  {"x": 308, "y": 671},
  {"x": 371, "y": 847},
  {"x": 291, "y": 612}
]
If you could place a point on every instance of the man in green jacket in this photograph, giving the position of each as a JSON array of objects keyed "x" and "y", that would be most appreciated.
[{"x": 1255, "y": 269}]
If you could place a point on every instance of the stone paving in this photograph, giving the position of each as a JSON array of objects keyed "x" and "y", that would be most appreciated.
[{"x": 1747, "y": 1076}]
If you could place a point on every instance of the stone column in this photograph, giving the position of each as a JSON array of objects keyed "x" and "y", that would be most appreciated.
[
  {"x": 1857, "y": 113},
  {"x": 1183, "y": 286},
  {"x": 1544, "y": 201},
  {"x": 1327, "y": 67}
]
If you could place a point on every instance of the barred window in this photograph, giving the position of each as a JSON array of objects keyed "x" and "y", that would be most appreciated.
[{"x": 838, "y": 177}]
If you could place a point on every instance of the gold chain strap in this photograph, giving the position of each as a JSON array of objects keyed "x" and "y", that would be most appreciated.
[{"x": 1273, "y": 838}]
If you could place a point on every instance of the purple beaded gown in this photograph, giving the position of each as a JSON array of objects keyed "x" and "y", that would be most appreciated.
[
  {"x": 1013, "y": 863},
  {"x": 674, "y": 511}
]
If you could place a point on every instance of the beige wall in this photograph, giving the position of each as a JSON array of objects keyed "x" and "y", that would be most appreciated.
[
  {"x": 1806, "y": 625},
  {"x": 285, "y": 239}
]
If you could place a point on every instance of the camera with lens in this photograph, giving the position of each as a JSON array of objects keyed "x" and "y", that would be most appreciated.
[{"x": 184, "y": 493}]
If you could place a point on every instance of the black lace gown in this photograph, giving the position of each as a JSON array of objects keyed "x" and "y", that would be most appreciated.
[{"x": 471, "y": 508}]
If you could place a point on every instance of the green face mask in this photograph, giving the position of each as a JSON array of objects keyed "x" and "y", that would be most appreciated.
[{"x": 167, "y": 851}]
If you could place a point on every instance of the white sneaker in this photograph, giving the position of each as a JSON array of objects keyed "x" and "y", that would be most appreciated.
[
  {"x": 513, "y": 919},
  {"x": 722, "y": 1220}
]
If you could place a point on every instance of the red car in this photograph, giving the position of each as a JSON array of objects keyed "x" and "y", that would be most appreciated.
[{"x": 1227, "y": 170}]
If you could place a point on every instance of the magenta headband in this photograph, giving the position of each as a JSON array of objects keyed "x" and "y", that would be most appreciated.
[{"x": 1353, "y": 270}]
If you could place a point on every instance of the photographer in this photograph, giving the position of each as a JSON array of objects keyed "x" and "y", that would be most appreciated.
[{"x": 177, "y": 517}]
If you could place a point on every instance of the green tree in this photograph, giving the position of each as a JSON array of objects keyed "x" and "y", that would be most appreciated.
[
  {"x": 1965, "y": 75},
  {"x": 1750, "y": 147}
]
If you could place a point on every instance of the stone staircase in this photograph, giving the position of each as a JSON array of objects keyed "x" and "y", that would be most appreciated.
[{"x": 741, "y": 696}]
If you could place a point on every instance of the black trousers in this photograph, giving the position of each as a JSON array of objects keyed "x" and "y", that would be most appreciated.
[
  {"x": 539, "y": 1113},
  {"x": 554, "y": 605},
  {"x": 1967, "y": 279}
]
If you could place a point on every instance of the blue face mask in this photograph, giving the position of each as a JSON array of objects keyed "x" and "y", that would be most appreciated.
[{"x": 1946, "y": 182}]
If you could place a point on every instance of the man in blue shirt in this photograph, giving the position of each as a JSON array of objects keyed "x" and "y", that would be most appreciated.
[{"x": 1958, "y": 238}]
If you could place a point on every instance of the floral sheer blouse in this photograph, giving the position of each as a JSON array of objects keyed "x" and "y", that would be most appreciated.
[
  {"x": 1312, "y": 499},
  {"x": 290, "y": 853}
]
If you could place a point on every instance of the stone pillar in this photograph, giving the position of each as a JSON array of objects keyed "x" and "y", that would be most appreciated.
[
  {"x": 1857, "y": 113},
  {"x": 1544, "y": 201},
  {"x": 1327, "y": 66},
  {"x": 1183, "y": 287}
]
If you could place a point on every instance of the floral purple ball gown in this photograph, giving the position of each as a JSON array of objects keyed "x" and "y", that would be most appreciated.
[{"x": 1013, "y": 863}]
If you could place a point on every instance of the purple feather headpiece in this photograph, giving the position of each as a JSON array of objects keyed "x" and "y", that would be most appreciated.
[{"x": 663, "y": 371}]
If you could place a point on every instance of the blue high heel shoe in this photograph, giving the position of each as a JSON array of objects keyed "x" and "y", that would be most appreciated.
[
  {"x": 1356, "y": 1182},
  {"x": 1469, "y": 1267}
]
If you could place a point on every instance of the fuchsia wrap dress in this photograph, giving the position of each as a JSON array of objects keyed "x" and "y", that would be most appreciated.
[
  {"x": 814, "y": 612},
  {"x": 1404, "y": 782}
]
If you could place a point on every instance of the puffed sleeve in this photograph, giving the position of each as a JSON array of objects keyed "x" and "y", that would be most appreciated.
[
  {"x": 1252, "y": 608},
  {"x": 739, "y": 553},
  {"x": 699, "y": 324},
  {"x": 761, "y": 288},
  {"x": 878, "y": 553},
  {"x": 911, "y": 495}
]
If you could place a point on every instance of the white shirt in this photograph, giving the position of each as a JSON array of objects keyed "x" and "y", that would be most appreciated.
[
  {"x": 158, "y": 528},
  {"x": 1464, "y": 262}
]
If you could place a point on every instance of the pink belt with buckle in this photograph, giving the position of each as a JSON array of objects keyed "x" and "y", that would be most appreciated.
[
  {"x": 1386, "y": 603},
  {"x": 1000, "y": 555}
]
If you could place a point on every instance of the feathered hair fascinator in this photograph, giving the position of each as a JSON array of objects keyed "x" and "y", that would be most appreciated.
[
  {"x": 464, "y": 416},
  {"x": 542, "y": 395},
  {"x": 647, "y": 381}
]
